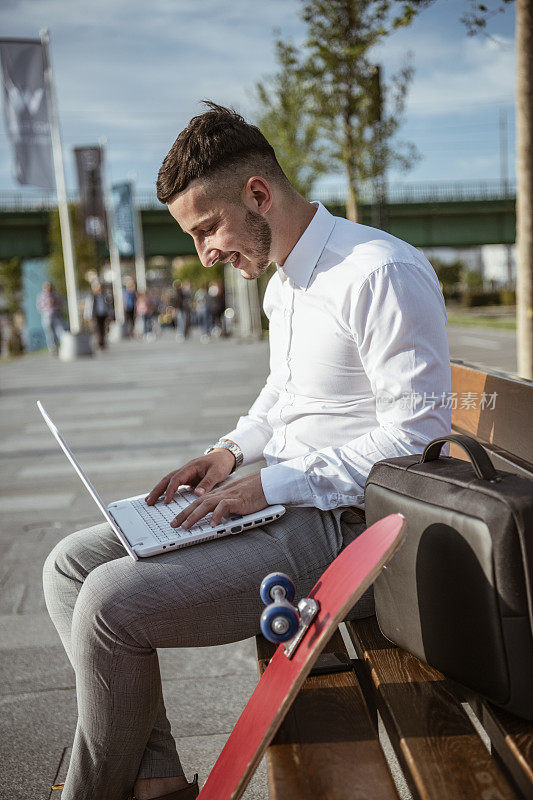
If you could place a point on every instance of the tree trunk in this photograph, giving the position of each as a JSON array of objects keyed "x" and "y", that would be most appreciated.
[
  {"x": 352, "y": 210},
  {"x": 524, "y": 195}
]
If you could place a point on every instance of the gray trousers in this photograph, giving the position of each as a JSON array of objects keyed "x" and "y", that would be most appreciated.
[{"x": 112, "y": 613}]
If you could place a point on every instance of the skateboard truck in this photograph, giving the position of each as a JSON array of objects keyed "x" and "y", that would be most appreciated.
[{"x": 281, "y": 621}]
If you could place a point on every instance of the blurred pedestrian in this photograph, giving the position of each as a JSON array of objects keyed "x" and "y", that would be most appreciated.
[
  {"x": 49, "y": 306},
  {"x": 184, "y": 310},
  {"x": 99, "y": 309},
  {"x": 215, "y": 303},
  {"x": 129, "y": 295},
  {"x": 203, "y": 313},
  {"x": 145, "y": 309}
]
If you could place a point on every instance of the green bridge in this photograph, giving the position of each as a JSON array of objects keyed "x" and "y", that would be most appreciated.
[{"x": 426, "y": 215}]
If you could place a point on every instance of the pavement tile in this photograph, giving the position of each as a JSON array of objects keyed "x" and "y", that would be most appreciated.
[{"x": 167, "y": 390}]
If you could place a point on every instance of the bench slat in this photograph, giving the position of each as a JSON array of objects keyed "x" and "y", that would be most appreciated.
[
  {"x": 327, "y": 747},
  {"x": 511, "y": 739},
  {"x": 436, "y": 744},
  {"x": 510, "y": 432},
  {"x": 499, "y": 460}
]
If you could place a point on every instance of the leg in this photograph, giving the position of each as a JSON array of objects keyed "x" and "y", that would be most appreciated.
[
  {"x": 49, "y": 333},
  {"x": 203, "y": 595},
  {"x": 64, "y": 573},
  {"x": 101, "y": 323},
  {"x": 59, "y": 330}
]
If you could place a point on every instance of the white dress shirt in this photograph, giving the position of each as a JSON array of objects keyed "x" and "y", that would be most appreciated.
[{"x": 359, "y": 364}]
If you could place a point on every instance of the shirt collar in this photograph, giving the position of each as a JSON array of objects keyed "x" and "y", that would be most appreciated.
[{"x": 304, "y": 256}]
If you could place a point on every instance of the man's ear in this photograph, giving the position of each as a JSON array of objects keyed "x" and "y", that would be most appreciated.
[{"x": 257, "y": 195}]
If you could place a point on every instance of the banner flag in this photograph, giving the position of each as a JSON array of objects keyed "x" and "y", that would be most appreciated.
[
  {"x": 26, "y": 111},
  {"x": 92, "y": 206},
  {"x": 123, "y": 211}
]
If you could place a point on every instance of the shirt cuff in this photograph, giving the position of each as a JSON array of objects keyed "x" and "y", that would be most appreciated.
[
  {"x": 286, "y": 483},
  {"x": 251, "y": 440}
]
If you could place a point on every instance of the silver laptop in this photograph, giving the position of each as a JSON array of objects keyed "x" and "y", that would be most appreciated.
[{"x": 145, "y": 530}]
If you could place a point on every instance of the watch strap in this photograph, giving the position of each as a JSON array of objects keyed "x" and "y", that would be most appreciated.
[{"x": 226, "y": 444}]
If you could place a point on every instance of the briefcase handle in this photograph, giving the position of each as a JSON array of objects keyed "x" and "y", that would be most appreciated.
[{"x": 476, "y": 452}]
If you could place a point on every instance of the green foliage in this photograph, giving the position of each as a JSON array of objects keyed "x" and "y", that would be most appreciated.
[
  {"x": 85, "y": 255},
  {"x": 475, "y": 18},
  {"x": 285, "y": 117},
  {"x": 478, "y": 15},
  {"x": 190, "y": 268},
  {"x": 508, "y": 297},
  {"x": 474, "y": 297},
  {"x": 346, "y": 92},
  {"x": 327, "y": 108},
  {"x": 472, "y": 279},
  {"x": 449, "y": 274},
  {"x": 11, "y": 284}
]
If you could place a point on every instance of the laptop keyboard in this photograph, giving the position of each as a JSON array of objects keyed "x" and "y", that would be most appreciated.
[{"x": 159, "y": 517}]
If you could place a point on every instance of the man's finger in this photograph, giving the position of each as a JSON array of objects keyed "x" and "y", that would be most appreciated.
[
  {"x": 201, "y": 508},
  {"x": 182, "y": 516},
  {"x": 223, "y": 509},
  {"x": 158, "y": 490},
  {"x": 206, "y": 484},
  {"x": 182, "y": 477}
]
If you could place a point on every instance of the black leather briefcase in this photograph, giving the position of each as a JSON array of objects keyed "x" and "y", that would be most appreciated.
[{"x": 459, "y": 592}]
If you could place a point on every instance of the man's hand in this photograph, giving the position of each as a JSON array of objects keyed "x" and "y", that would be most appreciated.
[
  {"x": 203, "y": 473},
  {"x": 242, "y": 496}
]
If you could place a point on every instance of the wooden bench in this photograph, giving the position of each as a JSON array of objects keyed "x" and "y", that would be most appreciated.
[{"x": 388, "y": 713}]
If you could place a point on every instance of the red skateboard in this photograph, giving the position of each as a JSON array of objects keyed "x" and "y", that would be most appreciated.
[{"x": 303, "y": 633}]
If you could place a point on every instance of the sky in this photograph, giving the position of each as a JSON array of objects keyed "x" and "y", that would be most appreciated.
[{"x": 134, "y": 73}]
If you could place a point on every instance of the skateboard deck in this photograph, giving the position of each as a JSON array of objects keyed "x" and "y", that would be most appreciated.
[{"x": 336, "y": 592}]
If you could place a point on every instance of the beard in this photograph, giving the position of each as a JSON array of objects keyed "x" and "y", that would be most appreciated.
[{"x": 260, "y": 233}]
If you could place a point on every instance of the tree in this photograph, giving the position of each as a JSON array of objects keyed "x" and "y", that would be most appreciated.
[
  {"x": 85, "y": 255},
  {"x": 11, "y": 284},
  {"x": 286, "y": 119},
  {"x": 357, "y": 116},
  {"x": 524, "y": 195}
]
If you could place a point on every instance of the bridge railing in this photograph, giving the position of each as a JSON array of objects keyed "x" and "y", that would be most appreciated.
[{"x": 442, "y": 191}]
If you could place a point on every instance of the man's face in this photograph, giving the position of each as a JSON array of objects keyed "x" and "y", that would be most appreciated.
[{"x": 223, "y": 231}]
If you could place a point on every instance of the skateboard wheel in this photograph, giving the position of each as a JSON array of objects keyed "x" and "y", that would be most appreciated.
[
  {"x": 279, "y": 622},
  {"x": 279, "y": 581}
]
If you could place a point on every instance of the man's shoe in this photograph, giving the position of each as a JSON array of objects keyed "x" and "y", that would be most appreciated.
[{"x": 189, "y": 792}]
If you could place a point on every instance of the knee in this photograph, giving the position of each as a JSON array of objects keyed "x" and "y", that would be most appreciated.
[
  {"x": 105, "y": 608},
  {"x": 62, "y": 562}
]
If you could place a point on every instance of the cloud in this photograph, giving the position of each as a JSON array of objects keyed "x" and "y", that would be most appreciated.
[
  {"x": 135, "y": 72},
  {"x": 479, "y": 72}
]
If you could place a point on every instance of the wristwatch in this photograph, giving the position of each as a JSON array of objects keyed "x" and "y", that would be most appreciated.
[{"x": 225, "y": 444}]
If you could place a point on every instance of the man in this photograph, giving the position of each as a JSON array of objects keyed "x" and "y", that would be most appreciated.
[
  {"x": 129, "y": 296},
  {"x": 357, "y": 330},
  {"x": 49, "y": 305},
  {"x": 99, "y": 309}
]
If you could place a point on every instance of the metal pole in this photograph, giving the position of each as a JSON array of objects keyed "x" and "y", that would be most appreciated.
[
  {"x": 64, "y": 219},
  {"x": 140, "y": 264},
  {"x": 114, "y": 255}
]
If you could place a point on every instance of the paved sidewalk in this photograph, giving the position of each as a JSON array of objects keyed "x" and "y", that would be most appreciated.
[{"x": 131, "y": 414}]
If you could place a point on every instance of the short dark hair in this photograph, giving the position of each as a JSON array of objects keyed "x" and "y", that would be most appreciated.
[{"x": 219, "y": 140}]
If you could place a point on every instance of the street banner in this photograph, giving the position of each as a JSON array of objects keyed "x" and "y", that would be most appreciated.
[
  {"x": 89, "y": 169},
  {"x": 26, "y": 111},
  {"x": 123, "y": 211},
  {"x": 35, "y": 271}
]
